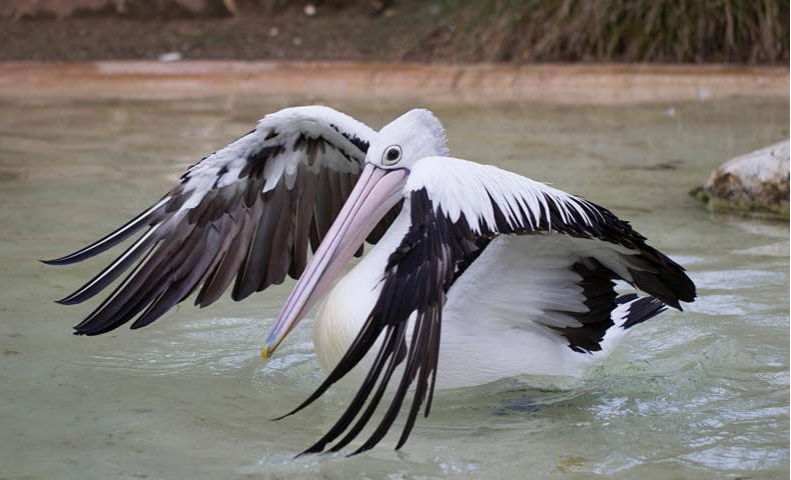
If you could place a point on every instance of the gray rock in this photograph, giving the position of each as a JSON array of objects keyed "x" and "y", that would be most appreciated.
[{"x": 755, "y": 183}]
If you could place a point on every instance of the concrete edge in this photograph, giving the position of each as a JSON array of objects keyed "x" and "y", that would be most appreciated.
[{"x": 601, "y": 84}]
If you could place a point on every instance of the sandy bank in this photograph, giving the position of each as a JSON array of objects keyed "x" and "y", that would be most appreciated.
[{"x": 562, "y": 84}]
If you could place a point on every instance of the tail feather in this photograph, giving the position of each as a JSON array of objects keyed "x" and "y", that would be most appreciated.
[
  {"x": 630, "y": 311},
  {"x": 639, "y": 309}
]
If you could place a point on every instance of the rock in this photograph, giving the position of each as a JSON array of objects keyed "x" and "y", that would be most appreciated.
[
  {"x": 170, "y": 57},
  {"x": 755, "y": 183}
]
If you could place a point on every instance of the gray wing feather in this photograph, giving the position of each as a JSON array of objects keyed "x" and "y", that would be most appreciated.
[{"x": 247, "y": 212}]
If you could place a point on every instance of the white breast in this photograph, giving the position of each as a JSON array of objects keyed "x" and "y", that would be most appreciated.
[
  {"x": 487, "y": 331},
  {"x": 345, "y": 309}
]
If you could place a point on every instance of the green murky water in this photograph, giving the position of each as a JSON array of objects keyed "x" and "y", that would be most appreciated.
[{"x": 702, "y": 394}]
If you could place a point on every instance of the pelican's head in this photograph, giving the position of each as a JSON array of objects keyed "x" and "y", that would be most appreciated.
[{"x": 414, "y": 135}]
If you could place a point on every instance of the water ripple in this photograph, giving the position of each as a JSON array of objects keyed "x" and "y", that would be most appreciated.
[{"x": 216, "y": 346}]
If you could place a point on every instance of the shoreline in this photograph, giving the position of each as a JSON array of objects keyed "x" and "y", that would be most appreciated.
[{"x": 599, "y": 84}]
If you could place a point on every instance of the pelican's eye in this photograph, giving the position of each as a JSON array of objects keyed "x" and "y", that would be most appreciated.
[{"x": 392, "y": 155}]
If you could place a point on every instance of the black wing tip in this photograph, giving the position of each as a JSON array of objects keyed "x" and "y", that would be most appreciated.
[
  {"x": 311, "y": 451},
  {"x": 670, "y": 285},
  {"x": 688, "y": 294},
  {"x": 90, "y": 328},
  {"x": 90, "y": 332},
  {"x": 357, "y": 452},
  {"x": 691, "y": 295},
  {"x": 83, "y": 330},
  {"x": 65, "y": 260},
  {"x": 297, "y": 409},
  {"x": 71, "y": 299},
  {"x": 281, "y": 417},
  {"x": 686, "y": 290},
  {"x": 675, "y": 304},
  {"x": 83, "y": 254}
]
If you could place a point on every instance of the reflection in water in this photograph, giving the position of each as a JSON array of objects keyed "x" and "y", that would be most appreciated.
[{"x": 703, "y": 393}]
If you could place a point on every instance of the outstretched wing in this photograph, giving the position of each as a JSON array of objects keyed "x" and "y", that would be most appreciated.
[
  {"x": 457, "y": 208},
  {"x": 246, "y": 212}
]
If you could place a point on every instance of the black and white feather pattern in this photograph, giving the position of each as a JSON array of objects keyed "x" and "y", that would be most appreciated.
[
  {"x": 245, "y": 214},
  {"x": 456, "y": 209}
]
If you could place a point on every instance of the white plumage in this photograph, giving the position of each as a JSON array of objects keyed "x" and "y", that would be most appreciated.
[
  {"x": 496, "y": 316},
  {"x": 478, "y": 273}
]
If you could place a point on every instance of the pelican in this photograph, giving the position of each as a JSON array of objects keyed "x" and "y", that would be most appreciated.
[{"x": 507, "y": 275}]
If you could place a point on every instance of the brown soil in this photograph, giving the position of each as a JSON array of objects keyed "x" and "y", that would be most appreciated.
[
  {"x": 345, "y": 34},
  {"x": 445, "y": 31}
]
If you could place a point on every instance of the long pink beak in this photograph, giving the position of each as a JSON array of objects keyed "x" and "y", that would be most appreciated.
[{"x": 375, "y": 193}]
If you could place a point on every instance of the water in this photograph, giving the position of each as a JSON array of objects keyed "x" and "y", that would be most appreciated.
[{"x": 700, "y": 394}]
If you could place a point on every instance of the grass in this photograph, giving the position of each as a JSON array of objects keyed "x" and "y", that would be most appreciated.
[{"x": 671, "y": 31}]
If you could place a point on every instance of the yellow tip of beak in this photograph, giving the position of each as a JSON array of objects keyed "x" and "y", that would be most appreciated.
[{"x": 265, "y": 353}]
